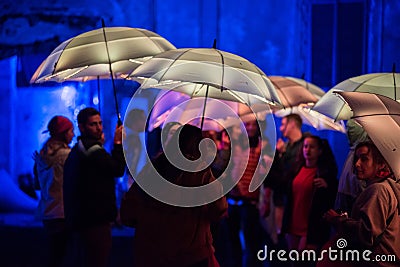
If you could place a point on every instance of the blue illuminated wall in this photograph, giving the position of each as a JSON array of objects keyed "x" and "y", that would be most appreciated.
[{"x": 317, "y": 39}]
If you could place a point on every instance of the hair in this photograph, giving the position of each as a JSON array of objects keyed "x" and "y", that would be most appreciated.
[
  {"x": 188, "y": 137},
  {"x": 135, "y": 114},
  {"x": 325, "y": 161},
  {"x": 86, "y": 113},
  {"x": 377, "y": 157},
  {"x": 253, "y": 140},
  {"x": 296, "y": 118}
]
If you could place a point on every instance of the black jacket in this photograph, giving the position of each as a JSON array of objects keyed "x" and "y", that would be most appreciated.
[{"x": 89, "y": 186}]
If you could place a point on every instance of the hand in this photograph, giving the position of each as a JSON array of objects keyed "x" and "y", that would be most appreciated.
[
  {"x": 35, "y": 155},
  {"x": 118, "y": 135},
  {"x": 333, "y": 217},
  {"x": 103, "y": 139},
  {"x": 280, "y": 146},
  {"x": 320, "y": 183}
]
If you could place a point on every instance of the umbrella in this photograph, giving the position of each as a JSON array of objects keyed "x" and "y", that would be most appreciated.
[
  {"x": 211, "y": 73},
  {"x": 379, "y": 83},
  {"x": 294, "y": 91},
  {"x": 175, "y": 106},
  {"x": 107, "y": 52},
  {"x": 313, "y": 118},
  {"x": 85, "y": 57},
  {"x": 380, "y": 117},
  {"x": 297, "y": 96}
]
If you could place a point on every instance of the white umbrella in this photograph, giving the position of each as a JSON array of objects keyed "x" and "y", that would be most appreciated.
[
  {"x": 378, "y": 83},
  {"x": 108, "y": 52},
  {"x": 211, "y": 73},
  {"x": 215, "y": 73},
  {"x": 313, "y": 118},
  {"x": 298, "y": 96},
  {"x": 380, "y": 117},
  {"x": 89, "y": 55}
]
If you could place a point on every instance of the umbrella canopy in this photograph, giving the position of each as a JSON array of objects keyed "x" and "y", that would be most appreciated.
[
  {"x": 313, "y": 118},
  {"x": 89, "y": 55},
  {"x": 217, "y": 74},
  {"x": 297, "y": 96},
  {"x": 294, "y": 91},
  {"x": 379, "y": 83},
  {"x": 380, "y": 117},
  {"x": 211, "y": 73},
  {"x": 174, "y": 106}
]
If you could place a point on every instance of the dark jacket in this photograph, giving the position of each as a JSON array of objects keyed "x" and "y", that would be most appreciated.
[
  {"x": 89, "y": 186},
  {"x": 180, "y": 235}
]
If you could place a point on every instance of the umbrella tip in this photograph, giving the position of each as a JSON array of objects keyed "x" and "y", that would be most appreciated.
[
  {"x": 303, "y": 76},
  {"x": 215, "y": 44},
  {"x": 394, "y": 67},
  {"x": 103, "y": 25}
]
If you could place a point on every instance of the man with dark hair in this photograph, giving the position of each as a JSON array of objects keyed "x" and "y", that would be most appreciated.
[
  {"x": 277, "y": 181},
  {"x": 89, "y": 190}
]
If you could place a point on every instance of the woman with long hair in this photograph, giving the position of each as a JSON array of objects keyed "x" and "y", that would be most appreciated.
[{"x": 312, "y": 192}]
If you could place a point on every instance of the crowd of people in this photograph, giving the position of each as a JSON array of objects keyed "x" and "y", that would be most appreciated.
[{"x": 302, "y": 205}]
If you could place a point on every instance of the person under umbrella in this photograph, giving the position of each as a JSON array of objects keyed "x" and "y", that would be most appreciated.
[{"x": 374, "y": 222}]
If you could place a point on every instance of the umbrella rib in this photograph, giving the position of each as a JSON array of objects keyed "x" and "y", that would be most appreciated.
[
  {"x": 259, "y": 71},
  {"x": 149, "y": 37},
  {"x": 283, "y": 94},
  {"x": 62, "y": 51},
  {"x": 172, "y": 63},
  {"x": 377, "y": 114},
  {"x": 223, "y": 68}
]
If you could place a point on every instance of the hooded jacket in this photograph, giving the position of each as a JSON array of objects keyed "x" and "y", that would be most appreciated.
[
  {"x": 375, "y": 221},
  {"x": 49, "y": 165}
]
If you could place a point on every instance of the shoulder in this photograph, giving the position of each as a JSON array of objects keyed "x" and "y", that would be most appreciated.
[{"x": 377, "y": 191}]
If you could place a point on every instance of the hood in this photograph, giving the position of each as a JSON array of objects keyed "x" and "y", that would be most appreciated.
[
  {"x": 396, "y": 189},
  {"x": 49, "y": 151}
]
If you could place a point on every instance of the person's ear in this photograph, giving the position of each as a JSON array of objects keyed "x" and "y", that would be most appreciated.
[
  {"x": 383, "y": 170},
  {"x": 81, "y": 127}
]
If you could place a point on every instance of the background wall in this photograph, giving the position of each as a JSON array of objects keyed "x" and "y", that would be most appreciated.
[{"x": 321, "y": 40}]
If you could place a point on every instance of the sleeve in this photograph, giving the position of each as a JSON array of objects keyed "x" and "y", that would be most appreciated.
[
  {"x": 113, "y": 164},
  {"x": 373, "y": 214}
]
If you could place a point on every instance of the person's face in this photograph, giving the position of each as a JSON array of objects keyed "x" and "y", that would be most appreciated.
[
  {"x": 365, "y": 166},
  {"x": 251, "y": 128},
  {"x": 286, "y": 126},
  {"x": 93, "y": 127},
  {"x": 69, "y": 135},
  {"x": 311, "y": 150}
]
